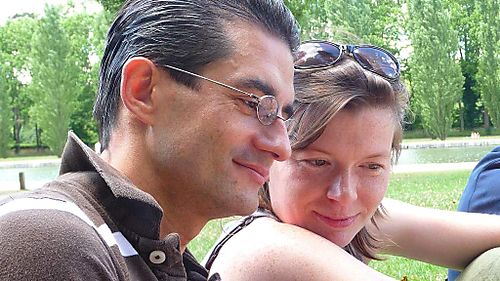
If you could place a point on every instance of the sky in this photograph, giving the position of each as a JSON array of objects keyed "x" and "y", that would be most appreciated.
[{"x": 12, "y": 7}]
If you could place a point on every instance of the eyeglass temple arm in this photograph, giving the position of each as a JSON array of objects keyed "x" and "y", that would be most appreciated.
[{"x": 211, "y": 80}]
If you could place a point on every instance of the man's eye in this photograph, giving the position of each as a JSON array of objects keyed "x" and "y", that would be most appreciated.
[{"x": 250, "y": 103}]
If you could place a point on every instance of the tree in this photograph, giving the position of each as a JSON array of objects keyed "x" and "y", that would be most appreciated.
[
  {"x": 375, "y": 22},
  {"x": 87, "y": 34},
  {"x": 15, "y": 48},
  {"x": 311, "y": 16},
  {"x": 55, "y": 73},
  {"x": 111, "y": 6},
  {"x": 436, "y": 76},
  {"x": 488, "y": 75},
  {"x": 465, "y": 19},
  {"x": 5, "y": 112}
]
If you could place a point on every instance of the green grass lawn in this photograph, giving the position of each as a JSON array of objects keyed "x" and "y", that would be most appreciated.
[{"x": 437, "y": 190}]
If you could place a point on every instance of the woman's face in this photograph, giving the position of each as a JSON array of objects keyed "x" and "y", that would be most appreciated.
[{"x": 334, "y": 186}]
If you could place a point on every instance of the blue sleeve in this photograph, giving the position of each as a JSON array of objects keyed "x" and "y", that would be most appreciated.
[
  {"x": 485, "y": 196},
  {"x": 482, "y": 192}
]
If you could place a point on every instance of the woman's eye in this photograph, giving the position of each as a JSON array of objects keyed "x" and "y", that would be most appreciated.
[
  {"x": 375, "y": 169},
  {"x": 317, "y": 162},
  {"x": 374, "y": 166}
]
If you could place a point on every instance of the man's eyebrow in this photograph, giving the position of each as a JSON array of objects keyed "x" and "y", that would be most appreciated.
[{"x": 257, "y": 84}]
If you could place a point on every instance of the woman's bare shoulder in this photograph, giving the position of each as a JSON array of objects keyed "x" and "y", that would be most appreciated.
[{"x": 270, "y": 250}]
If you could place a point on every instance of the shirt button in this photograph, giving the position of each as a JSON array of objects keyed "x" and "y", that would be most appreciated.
[{"x": 157, "y": 257}]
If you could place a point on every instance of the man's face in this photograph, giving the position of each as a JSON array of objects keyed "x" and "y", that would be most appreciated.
[{"x": 209, "y": 149}]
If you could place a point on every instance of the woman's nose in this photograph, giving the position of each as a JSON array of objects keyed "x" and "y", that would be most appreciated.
[{"x": 342, "y": 188}]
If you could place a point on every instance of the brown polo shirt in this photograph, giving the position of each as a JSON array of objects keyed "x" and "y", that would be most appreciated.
[{"x": 91, "y": 223}]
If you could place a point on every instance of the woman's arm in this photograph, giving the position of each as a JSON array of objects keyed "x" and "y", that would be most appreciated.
[
  {"x": 268, "y": 250},
  {"x": 450, "y": 239}
]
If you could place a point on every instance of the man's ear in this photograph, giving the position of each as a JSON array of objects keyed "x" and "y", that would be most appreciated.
[{"x": 139, "y": 76}]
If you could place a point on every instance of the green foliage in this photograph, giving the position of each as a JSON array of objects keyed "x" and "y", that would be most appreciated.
[
  {"x": 55, "y": 75},
  {"x": 49, "y": 71},
  {"x": 465, "y": 19},
  {"x": 64, "y": 68},
  {"x": 351, "y": 21},
  {"x": 111, "y": 6},
  {"x": 488, "y": 75},
  {"x": 436, "y": 76},
  {"x": 15, "y": 48},
  {"x": 432, "y": 75},
  {"x": 5, "y": 111},
  {"x": 86, "y": 34}
]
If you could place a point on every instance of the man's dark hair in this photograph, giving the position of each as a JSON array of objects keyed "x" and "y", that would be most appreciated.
[{"x": 183, "y": 33}]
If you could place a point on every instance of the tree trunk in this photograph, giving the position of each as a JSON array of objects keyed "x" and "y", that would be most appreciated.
[
  {"x": 486, "y": 119},
  {"x": 37, "y": 135},
  {"x": 17, "y": 130},
  {"x": 462, "y": 121}
]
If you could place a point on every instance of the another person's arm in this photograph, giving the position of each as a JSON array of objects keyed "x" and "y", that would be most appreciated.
[
  {"x": 450, "y": 239},
  {"x": 268, "y": 250}
]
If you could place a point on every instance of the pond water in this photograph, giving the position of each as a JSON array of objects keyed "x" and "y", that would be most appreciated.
[
  {"x": 444, "y": 155},
  {"x": 33, "y": 177}
]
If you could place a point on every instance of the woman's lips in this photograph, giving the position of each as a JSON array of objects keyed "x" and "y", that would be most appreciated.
[{"x": 338, "y": 222}]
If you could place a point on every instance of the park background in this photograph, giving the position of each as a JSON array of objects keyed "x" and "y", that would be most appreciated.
[{"x": 449, "y": 52}]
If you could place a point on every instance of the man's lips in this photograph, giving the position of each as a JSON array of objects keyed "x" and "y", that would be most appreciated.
[
  {"x": 338, "y": 221},
  {"x": 261, "y": 173}
]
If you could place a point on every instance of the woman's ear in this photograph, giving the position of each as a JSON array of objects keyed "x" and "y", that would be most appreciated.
[{"x": 139, "y": 76}]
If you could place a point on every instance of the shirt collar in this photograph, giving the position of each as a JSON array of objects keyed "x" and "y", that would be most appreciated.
[{"x": 79, "y": 157}]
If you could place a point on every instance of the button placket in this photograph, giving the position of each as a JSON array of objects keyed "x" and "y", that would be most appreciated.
[{"x": 163, "y": 256}]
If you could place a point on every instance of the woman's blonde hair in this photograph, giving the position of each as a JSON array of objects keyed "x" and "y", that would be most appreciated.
[{"x": 320, "y": 94}]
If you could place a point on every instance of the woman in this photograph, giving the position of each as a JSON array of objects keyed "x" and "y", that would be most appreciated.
[{"x": 346, "y": 133}]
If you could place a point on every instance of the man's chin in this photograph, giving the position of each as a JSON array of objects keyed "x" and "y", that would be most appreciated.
[{"x": 246, "y": 207}]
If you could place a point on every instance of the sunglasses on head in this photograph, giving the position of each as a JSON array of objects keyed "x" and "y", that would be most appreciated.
[{"x": 323, "y": 54}]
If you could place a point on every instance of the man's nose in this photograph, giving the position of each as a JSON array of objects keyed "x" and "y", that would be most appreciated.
[{"x": 275, "y": 141}]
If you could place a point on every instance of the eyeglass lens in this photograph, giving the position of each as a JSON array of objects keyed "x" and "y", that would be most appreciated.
[{"x": 267, "y": 110}]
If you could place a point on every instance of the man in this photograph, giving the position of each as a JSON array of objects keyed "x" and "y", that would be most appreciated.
[
  {"x": 191, "y": 107},
  {"x": 482, "y": 195}
]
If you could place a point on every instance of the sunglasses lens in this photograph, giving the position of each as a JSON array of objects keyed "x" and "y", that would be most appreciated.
[
  {"x": 378, "y": 61},
  {"x": 316, "y": 54},
  {"x": 267, "y": 110}
]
